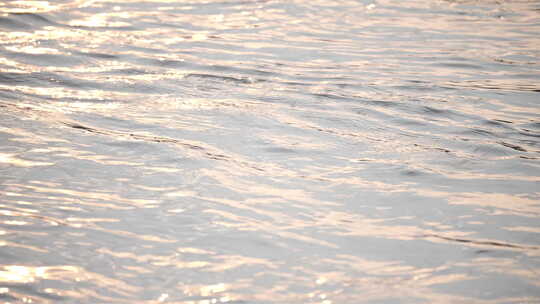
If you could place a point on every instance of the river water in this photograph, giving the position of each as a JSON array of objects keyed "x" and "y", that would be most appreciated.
[{"x": 332, "y": 152}]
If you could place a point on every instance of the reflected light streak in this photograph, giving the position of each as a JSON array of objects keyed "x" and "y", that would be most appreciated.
[
  {"x": 29, "y": 49},
  {"x": 504, "y": 203},
  {"x": 10, "y": 159},
  {"x": 157, "y": 260},
  {"x": 27, "y": 274},
  {"x": 228, "y": 262},
  {"x": 103, "y": 196},
  {"x": 215, "y": 291},
  {"x": 212, "y": 289},
  {"x": 66, "y": 93},
  {"x": 27, "y": 6},
  {"x": 523, "y": 229},
  {"x": 102, "y": 20},
  {"x": 27, "y": 247}
]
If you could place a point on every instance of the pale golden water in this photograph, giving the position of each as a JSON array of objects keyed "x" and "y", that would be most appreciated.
[{"x": 269, "y": 151}]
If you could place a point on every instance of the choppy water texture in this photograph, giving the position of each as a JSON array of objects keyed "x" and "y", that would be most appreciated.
[{"x": 322, "y": 151}]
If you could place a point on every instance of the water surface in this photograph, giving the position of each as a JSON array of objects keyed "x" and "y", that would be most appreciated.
[{"x": 269, "y": 151}]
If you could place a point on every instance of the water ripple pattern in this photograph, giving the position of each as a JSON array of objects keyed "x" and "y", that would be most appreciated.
[{"x": 265, "y": 152}]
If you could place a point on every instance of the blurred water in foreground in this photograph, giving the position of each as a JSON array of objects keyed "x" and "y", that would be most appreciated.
[{"x": 269, "y": 151}]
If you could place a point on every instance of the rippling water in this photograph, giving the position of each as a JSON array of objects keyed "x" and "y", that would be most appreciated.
[{"x": 270, "y": 151}]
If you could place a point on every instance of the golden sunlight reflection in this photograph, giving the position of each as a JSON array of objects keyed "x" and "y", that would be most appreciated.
[
  {"x": 103, "y": 20},
  {"x": 11, "y": 159},
  {"x": 163, "y": 297},
  {"x": 24, "y": 246},
  {"x": 215, "y": 293},
  {"x": 88, "y": 155},
  {"x": 19, "y": 274},
  {"x": 27, "y": 274},
  {"x": 523, "y": 229},
  {"x": 63, "y": 92},
  {"x": 228, "y": 262},
  {"x": 22, "y": 135},
  {"x": 504, "y": 203},
  {"x": 96, "y": 196},
  {"x": 27, "y": 6},
  {"x": 212, "y": 289},
  {"x": 166, "y": 261},
  {"x": 385, "y": 276},
  {"x": 29, "y": 49}
]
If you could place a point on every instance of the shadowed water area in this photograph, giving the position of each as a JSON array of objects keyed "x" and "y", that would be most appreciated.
[{"x": 265, "y": 152}]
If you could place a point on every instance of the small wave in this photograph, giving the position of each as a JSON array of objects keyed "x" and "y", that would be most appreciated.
[
  {"x": 513, "y": 146},
  {"x": 495, "y": 85},
  {"x": 25, "y": 21},
  {"x": 243, "y": 80},
  {"x": 482, "y": 242}
]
